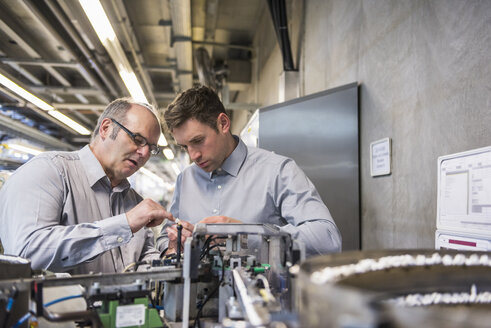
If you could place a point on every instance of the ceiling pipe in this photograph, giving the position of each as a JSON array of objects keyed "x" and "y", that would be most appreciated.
[
  {"x": 23, "y": 131},
  {"x": 277, "y": 8},
  {"x": 203, "y": 67},
  {"x": 123, "y": 19},
  {"x": 181, "y": 27}
]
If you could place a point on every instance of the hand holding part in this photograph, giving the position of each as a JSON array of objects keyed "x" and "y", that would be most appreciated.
[
  {"x": 147, "y": 213},
  {"x": 187, "y": 231}
]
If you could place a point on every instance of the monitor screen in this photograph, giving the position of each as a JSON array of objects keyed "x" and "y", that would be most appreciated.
[{"x": 464, "y": 192}]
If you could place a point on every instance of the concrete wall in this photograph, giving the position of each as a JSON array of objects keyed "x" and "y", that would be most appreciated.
[{"x": 424, "y": 69}]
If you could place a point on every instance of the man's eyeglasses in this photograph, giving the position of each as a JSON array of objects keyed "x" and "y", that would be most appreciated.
[{"x": 139, "y": 140}]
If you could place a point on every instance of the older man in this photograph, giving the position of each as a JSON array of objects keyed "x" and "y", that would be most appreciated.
[{"x": 75, "y": 211}]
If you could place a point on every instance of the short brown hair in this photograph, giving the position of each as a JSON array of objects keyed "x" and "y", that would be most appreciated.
[{"x": 200, "y": 103}]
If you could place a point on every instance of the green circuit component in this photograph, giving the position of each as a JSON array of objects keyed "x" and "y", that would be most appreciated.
[
  {"x": 108, "y": 313},
  {"x": 261, "y": 269}
]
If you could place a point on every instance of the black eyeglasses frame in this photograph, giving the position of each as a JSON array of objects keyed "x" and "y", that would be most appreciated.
[{"x": 138, "y": 139}]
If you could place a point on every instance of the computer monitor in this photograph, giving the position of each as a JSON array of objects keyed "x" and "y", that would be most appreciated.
[{"x": 464, "y": 192}]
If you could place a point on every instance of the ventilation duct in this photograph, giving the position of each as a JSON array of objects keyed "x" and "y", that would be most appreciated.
[
  {"x": 181, "y": 27},
  {"x": 206, "y": 73}
]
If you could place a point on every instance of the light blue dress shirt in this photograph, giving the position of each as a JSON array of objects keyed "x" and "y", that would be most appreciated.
[
  {"x": 59, "y": 211},
  {"x": 256, "y": 186}
]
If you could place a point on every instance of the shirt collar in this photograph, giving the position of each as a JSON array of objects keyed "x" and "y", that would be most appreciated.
[
  {"x": 94, "y": 170},
  {"x": 234, "y": 161}
]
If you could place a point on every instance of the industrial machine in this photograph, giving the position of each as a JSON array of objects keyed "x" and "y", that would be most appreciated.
[
  {"x": 250, "y": 275},
  {"x": 229, "y": 275}
]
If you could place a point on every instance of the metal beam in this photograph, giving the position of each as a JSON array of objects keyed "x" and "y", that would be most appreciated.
[
  {"x": 16, "y": 128},
  {"x": 218, "y": 44},
  {"x": 40, "y": 62},
  {"x": 166, "y": 69},
  {"x": 20, "y": 41},
  {"x": 65, "y": 90},
  {"x": 165, "y": 95},
  {"x": 26, "y": 74},
  {"x": 79, "y": 106}
]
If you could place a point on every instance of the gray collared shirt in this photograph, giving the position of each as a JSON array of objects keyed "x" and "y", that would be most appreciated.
[
  {"x": 257, "y": 186},
  {"x": 59, "y": 211}
]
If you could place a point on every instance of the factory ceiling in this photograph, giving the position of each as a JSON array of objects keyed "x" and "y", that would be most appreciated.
[{"x": 51, "y": 49}]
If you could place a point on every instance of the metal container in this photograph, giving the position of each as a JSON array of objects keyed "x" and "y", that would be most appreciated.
[{"x": 377, "y": 288}]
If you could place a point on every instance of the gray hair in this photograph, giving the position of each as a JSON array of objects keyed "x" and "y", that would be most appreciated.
[{"x": 117, "y": 110}]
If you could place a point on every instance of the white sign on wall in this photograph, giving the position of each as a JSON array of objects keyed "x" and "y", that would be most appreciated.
[{"x": 380, "y": 157}]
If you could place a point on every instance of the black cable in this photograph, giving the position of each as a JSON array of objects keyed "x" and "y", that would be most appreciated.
[
  {"x": 207, "y": 242},
  {"x": 278, "y": 12},
  {"x": 210, "y": 295},
  {"x": 209, "y": 249},
  {"x": 179, "y": 240},
  {"x": 162, "y": 254},
  {"x": 138, "y": 264}
]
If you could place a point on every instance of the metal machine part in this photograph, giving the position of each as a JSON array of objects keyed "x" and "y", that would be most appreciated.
[
  {"x": 247, "y": 270},
  {"x": 13, "y": 302},
  {"x": 400, "y": 288},
  {"x": 104, "y": 294},
  {"x": 242, "y": 275},
  {"x": 229, "y": 275}
]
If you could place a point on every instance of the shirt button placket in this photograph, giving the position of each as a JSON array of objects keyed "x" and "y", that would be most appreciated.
[{"x": 216, "y": 209}]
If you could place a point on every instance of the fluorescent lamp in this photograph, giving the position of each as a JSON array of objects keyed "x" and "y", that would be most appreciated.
[
  {"x": 169, "y": 154},
  {"x": 151, "y": 175},
  {"x": 98, "y": 18},
  {"x": 24, "y": 93},
  {"x": 68, "y": 121},
  {"x": 25, "y": 149},
  {"x": 100, "y": 22},
  {"x": 162, "y": 141},
  {"x": 41, "y": 104},
  {"x": 176, "y": 168},
  {"x": 133, "y": 86}
]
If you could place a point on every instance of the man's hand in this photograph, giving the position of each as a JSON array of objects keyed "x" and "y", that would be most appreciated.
[
  {"x": 219, "y": 219},
  {"x": 187, "y": 231},
  {"x": 147, "y": 213}
]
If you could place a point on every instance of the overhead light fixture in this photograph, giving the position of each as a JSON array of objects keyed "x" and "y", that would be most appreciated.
[
  {"x": 162, "y": 141},
  {"x": 68, "y": 121},
  {"x": 25, "y": 149},
  {"x": 24, "y": 93},
  {"x": 100, "y": 22},
  {"x": 132, "y": 84},
  {"x": 43, "y": 105},
  {"x": 169, "y": 154},
  {"x": 151, "y": 175}
]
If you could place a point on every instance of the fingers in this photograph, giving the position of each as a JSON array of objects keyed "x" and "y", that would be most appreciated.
[
  {"x": 157, "y": 216},
  {"x": 219, "y": 219},
  {"x": 187, "y": 226},
  {"x": 147, "y": 213},
  {"x": 187, "y": 231}
]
